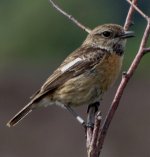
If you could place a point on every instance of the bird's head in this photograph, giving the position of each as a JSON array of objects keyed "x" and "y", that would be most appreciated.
[{"x": 110, "y": 37}]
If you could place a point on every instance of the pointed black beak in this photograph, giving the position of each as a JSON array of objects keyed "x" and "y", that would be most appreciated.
[{"x": 127, "y": 34}]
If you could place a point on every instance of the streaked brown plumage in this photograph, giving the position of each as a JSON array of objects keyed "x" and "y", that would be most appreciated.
[{"x": 85, "y": 74}]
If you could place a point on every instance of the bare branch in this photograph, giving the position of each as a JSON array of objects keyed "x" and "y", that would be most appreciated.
[
  {"x": 121, "y": 88},
  {"x": 140, "y": 53},
  {"x": 98, "y": 120},
  {"x": 146, "y": 50},
  {"x": 93, "y": 151},
  {"x": 90, "y": 125},
  {"x": 89, "y": 138},
  {"x": 129, "y": 21},
  {"x": 138, "y": 10},
  {"x": 125, "y": 77},
  {"x": 70, "y": 17}
]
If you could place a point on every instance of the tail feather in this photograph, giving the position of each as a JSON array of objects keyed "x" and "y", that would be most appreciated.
[{"x": 20, "y": 115}]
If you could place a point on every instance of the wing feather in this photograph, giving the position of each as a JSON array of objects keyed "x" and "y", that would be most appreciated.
[{"x": 59, "y": 77}]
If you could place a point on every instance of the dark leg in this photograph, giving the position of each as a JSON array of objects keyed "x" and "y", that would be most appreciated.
[
  {"x": 78, "y": 118},
  {"x": 92, "y": 109}
]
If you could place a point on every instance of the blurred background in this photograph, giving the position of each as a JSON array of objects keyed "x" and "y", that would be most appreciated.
[{"x": 34, "y": 40}]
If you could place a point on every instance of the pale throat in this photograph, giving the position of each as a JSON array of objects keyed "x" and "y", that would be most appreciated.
[{"x": 112, "y": 47}]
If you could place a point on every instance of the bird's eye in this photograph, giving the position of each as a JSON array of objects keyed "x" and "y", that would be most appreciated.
[{"x": 107, "y": 34}]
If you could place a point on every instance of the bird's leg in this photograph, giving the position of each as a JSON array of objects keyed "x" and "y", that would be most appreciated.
[
  {"x": 78, "y": 118},
  {"x": 92, "y": 109}
]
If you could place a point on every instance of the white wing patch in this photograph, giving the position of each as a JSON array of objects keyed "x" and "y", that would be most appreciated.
[{"x": 70, "y": 64}]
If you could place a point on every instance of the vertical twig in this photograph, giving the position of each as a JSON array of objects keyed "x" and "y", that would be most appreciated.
[
  {"x": 90, "y": 125},
  {"x": 92, "y": 150},
  {"x": 129, "y": 21}
]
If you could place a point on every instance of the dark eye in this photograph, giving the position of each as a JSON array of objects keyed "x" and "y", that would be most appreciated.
[{"x": 107, "y": 34}]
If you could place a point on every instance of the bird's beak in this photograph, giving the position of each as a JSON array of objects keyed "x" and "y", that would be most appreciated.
[{"x": 127, "y": 34}]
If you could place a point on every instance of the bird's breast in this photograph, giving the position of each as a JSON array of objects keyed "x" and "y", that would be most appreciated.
[{"x": 108, "y": 70}]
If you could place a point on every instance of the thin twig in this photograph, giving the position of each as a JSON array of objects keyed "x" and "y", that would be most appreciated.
[
  {"x": 93, "y": 151},
  {"x": 146, "y": 50},
  {"x": 90, "y": 125},
  {"x": 89, "y": 133},
  {"x": 138, "y": 10},
  {"x": 129, "y": 21},
  {"x": 140, "y": 53},
  {"x": 70, "y": 17}
]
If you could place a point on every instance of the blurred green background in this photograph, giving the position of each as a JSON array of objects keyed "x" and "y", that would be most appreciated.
[{"x": 34, "y": 40}]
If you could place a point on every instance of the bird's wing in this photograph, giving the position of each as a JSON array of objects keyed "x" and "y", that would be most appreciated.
[{"x": 73, "y": 66}]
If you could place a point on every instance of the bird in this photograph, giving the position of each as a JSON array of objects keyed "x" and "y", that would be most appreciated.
[{"x": 85, "y": 75}]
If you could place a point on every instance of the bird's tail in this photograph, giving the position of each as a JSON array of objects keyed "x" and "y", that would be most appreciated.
[{"x": 20, "y": 115}]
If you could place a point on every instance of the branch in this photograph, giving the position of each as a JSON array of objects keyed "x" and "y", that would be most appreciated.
[
  {"x": 129, "y": 21},
  {"x": 92, "y": 147},
  {"x": 126, "y": 77},
  {"x": 89, "y": 130},
  {"x": 146, "y": 50},
  {"x": 70, "y": 17},
  {"x": 138, "y": 10}
]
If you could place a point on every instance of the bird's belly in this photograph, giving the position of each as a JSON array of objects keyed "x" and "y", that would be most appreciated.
[
  {"x": 78, "y": 91},
  {"x": 89, "y": 87}
]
